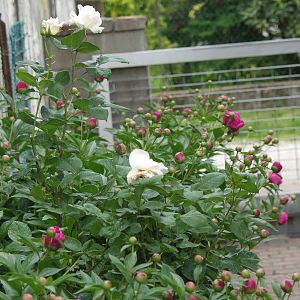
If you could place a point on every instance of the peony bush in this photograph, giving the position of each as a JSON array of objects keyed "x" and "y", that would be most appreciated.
[{"x": 151, "y": 217}]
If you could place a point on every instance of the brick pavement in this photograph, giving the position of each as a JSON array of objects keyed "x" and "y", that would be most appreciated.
[{"x": 280, "y": 259}]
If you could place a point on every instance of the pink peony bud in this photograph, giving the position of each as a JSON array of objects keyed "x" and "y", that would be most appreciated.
[
  {"x": 284, "y": 200},
  {"x": 193, "y": 297},
  {"x": 99, "y": 78},
  {"x": 167, "y": 131},
  {"x": 249, "y": 286},
  {"x": 141, "y": 131},
  {"x": 275, "y": 178},
  {"x": 210, "y": 144},
  {"x": 264, "y": 233},
  {"x": 218, "y": 285},
  {"x": 256, "y": 212},
  {"x": 286, "y": 286},
  {"x": 233, "y": 120},
  {"x": 261, "y": 291},
  {"x": 54, "y": 238},
  {"x": 169, "y": 295},
  {"x": 248, "y": 160},
  {"x": 186, "y": 111},
  {"x": 226, "y": 276},
  {"x": 276, "y": 167},
  {"x": 157, "y": 131},
  {"x": 59, "y": 104},
  {"x": 268, "y": 139},
  {"x": 283, "y": 218},
  {"x": 141, "y": 277},
  {"x": 92, "y": 122},
  {"x": 179, "y": 157},
  {"x": 190, "y": 286},
  {"x": 156, "y": 116},
  {"x": 120, "y": 148},
  {"x": 156, "y": 257},
  {"x": 22, "y": 87}
]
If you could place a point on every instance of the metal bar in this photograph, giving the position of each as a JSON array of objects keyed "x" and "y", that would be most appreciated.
[{"x": 205, "y": 53}]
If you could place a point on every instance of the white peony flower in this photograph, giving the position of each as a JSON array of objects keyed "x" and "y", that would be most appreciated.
[
  {"x": 142, "y": 166},
  {"x": 87, "y": 17},
  {"x": 51, "y": 26}
]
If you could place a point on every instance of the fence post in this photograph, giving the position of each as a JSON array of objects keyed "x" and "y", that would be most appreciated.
[
  {"x": 102, "y": 124},
  {"x": 5, "y": 58}
]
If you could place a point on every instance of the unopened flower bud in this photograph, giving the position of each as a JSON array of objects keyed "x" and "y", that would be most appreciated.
[
  {"x": 141, "y": 277},
  {"x": 254, "y": 228},
  {"x": 275, "y": 141},
  {"x": 296, "y": 277},
  {"x": 268, "y": 139},
  {"x": 179, "y": 157},
  {"x": 218, "y": 285},
  {"x": 238, "y": 148},
  {"x": 275, "y": 209},
  {"x": 256, "y": 212},
  {"x": 284, "y": 200},
  {"x": 249, "y": 286},
  {"x": 264, "y": 163},
  {"x": 107, "y": 284},
  {"x": 286, "y": 286},
  {"x": 250, "y": 128},
  {"x": 5, "y": 158},
  {"x": 199, "y": 153},
  {"x": 261, "y": 291},
  {"x": 157, "y": 131},
  {"x": 226, "y": 276},
  {"x": 221, "y": 107},
  {"x": 190, "y": 286},
  {"x": 27, "y": 297},
  {"x": 264, "y": 233},
  {"x": 133, "y": 240},
  {"x": 248, "y": 160},
  {"x": 169, "y": 295},
  {"x": 246, "y": 273},
  {"x": 167, "y": 131},
  {"x": 141, "y": 131},
  {"x": 260, "y": 273},
  {"x": 210, "y": 144},
  {"x": 172, "y": 170},
  {"x": 99, "y": 78},
  {"x": 120, "y": 149},
  {"x": 74, "y": 90},
  {"x": 156, "y": 257},
  {"x": 42, "y": 281},
  {"x": 198, "y": 259}
]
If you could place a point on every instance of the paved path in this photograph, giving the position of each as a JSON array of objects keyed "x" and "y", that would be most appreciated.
[{"x": 280, "y": 259}]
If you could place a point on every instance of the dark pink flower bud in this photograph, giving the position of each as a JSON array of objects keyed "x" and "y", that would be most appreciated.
[
  {"x": 249, "y": 286},
  {"x": 92, "y": 122},
  {"x": 218, "y": 285},
  {"x": 22, "y": 87},
  {"x": 167, "y": 131},
  {"x": 156, "y": 116},
  {"x": 120, "y": 148},
  {"x": 233, "y": 120},
  {"x": 157, "y": 131},
  {"x": 54, "y": 239},
  {"x": 190, "y": 286},
  {"x": 275, "y": 178},
  {"x": 286, "y": 286},
  {"x": 248, "y": 160},
  {"x": 141, "y": 131},
  {"x": 276, "y": 167},
  {"x": 193, "y": 297},
  {"x": 59, "y": 104},
  {"x": 210, "y": 144},
  {"x": 179, "y": 157},
  {"x": 256, "y": 212},
  {"x": 283, "y": 218},
  {"x": 99, "y": 78},
  {"x": 141, "y": 277},
  {"x": 284, "y": 200},
  {"x": 169, "y": 295},
  {"x": 186, "y": 111}
]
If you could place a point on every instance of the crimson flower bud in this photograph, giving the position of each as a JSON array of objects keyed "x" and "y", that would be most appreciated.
[
  {"x": 268, "y": 139},
  {"x": 179, "y": 157},
  {"x": 218, "y": 285},
  {"x": 59, "y": 104},
  {"x": 92, "y": 122},
  {"x": 248, "y": 160},
  {"x": 55, "y": 241},
  {"x": 22, "y": 87},
  {"x": 284, "y": 200},
  {"x": 157, "y": 131},
  {"x": 249, "y": 286},
  {"x": 186, "y": 111},
  {"x": 141, "y": 131},
  {"x": 193, "y": 297},
  {"x": 283, "y": 218},
  {"x": 276, "y": 167},
  {"x": 256, "y": 212},
  {"x": 210, "y": 144},
  {"x": 156, "y": 116},
  {"x": 286, "y": 286},
  {"x": 99, "y": 78},
  {"x": 169, "y": 295}
]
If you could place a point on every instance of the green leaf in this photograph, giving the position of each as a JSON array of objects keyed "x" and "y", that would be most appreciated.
[
  {"x": 240, "y": 230},
  {"x": 62, "y": 78},
  {"x": 277, "y": 290},
  {"x": 26, "y": 117},
  {"x": 72, "y": 165},
  {"x": 98, "y": 113},
  {"x": 74, "y": 40},
  {"x": 72, "y": 244},
  {"x": 130, "y": 260},
  {"x": 57, "y": 43},
  {"x": 209, "y": 182},
  {"x": 18, "y": 229},
  {"x": 26, "y": 77},
  {"x": 87, "y": 47},
  {"x": 126, "y": 273},
  {"x": 49, "y": 272},
  {"x": 196, "y": 220}
]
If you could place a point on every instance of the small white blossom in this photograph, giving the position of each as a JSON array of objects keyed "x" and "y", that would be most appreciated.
[
  {"x": 87, "y": 17},
  {"x": 51, "y": 26},
  {"x": 142, "y": 166}
]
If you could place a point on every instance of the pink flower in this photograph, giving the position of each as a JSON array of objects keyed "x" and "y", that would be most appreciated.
[
  {"x": 193, "y": 297},
  {"x": 218, "y": 285},
  {"x": 275, "y": 178},
  {"x": 169, "y": 295},
  {"x": 92, "y": 122},
  {"x": 256, "y": 212},
  {"x": 120, "y": 148},
  {"x": 248, "y": 160},
  {"x": 284, "y": 200},
  {"x": 276, "y": 167},
  {"x": 283, "y": 218},
  {"x": 54, "y": 238},
  {"x": 233, "y": 120},
  {"x": 59, "y": 104},
  {"x": 141, "y": 131},
  {"x": 249, "y": 286},
  {"x": 179, "y": 157},
  {"x": 286, "y": 286},
  {"x": 156, "y": 115},
  {"x": 22, "y": 87}
]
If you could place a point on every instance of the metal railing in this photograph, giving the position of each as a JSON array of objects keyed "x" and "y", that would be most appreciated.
[{"x": 268, "y": 97}]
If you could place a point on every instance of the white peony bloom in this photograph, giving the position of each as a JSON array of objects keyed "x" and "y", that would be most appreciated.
[
  {"x": 87, "y": 17},
  {"x": 142, "y": 166},
  {"x": 51, "y": 26}
]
